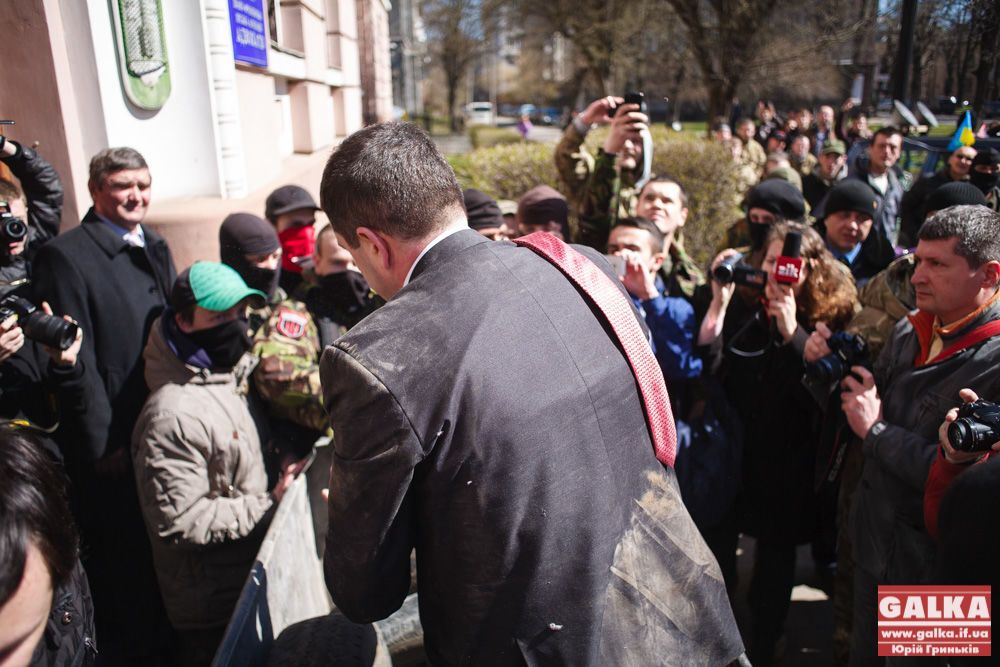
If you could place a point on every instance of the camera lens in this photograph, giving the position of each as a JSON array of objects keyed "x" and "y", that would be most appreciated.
[
  {"x": 49, "y": 330},
  {"x": 13, "y": 229},
  {"x": 827, "y": 369},
  {"x": 725, "y": 272}
]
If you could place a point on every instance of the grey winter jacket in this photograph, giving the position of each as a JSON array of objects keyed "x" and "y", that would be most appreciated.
[
  {"x": 887, "y": 524},
  {"x": 202, "y": 485}
]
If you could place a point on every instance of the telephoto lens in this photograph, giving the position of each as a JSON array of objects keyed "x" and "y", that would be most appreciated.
[{"x": 48, "y": 330}]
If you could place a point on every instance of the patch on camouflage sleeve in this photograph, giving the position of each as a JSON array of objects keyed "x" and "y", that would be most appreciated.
[{"x": 291, "y": 324}]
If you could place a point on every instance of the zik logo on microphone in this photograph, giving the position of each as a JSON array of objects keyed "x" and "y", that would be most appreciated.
[{"x": 788, "y": 269}]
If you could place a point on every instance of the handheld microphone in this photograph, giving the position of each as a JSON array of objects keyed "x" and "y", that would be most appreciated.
[{"x": 787, "y": 268}]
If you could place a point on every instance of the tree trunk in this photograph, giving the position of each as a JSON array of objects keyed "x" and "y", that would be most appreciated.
[
  {"x": 988, "y": 51},
  {"x": 720, "y": 95},
  {"x": 452, "y": 94}
]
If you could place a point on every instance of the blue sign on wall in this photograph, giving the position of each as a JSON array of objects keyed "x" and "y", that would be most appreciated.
[{"x": 249, "y": 27}]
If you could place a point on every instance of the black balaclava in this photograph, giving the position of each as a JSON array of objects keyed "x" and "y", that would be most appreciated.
[
  {"x": 243, "y": 234},
  {"x": 985, "y": 182},
  {"x": 342, "y": 297},
  {"x": 225, "y": 344}
]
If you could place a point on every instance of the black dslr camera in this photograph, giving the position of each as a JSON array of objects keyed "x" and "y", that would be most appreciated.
[
  {"x": 12, "y": 228},
  {"x": 734, "y": 270},
  {"x": 846, "y": 350},
  {"x": 977, "y": 427},
  {"x": 46, "y": 329}
]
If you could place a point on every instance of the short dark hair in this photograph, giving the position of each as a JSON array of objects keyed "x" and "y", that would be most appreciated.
[
  {"x": 888, "y": 132},
  {"x": 111, "y": 160},
  {"x": 743, "y": 120},
  {"x": 646, "y": 225},
  {"x": 664, "y": 178},
  {"x": 187, "y": 313},
  {"x": 389, "y": 177},
  {"x": 9, "y": 191},
  {"x": 977, "y": 229},
  {"x": 33, "y": 510},
  {"x": 324, "y": 231}
]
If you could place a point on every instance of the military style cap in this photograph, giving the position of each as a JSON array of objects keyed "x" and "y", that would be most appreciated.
[
  {"x": 212, "y": 286},
  {"x": 286, "y": 199},
  {"x": 834, "y": 146}
]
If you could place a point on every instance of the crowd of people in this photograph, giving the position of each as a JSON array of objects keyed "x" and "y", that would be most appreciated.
[{"x": 150, "y": 445}]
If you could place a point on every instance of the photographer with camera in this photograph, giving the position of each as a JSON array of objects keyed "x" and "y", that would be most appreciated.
[
  {"x": 37, "y": 203},
  {"x": 949, "y": 343},
  {"x": 37, "y": 351},
  {"x": 969, "y": 434},
  {"x": 761, "y": 353}
]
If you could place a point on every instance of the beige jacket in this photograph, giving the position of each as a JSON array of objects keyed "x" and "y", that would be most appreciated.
[{"x": 202, "y": 485}]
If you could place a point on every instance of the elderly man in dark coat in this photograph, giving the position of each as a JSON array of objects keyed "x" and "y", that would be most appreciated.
[
  {"x": 485, "y": 417},
  {"x": 112, "y": 275}
]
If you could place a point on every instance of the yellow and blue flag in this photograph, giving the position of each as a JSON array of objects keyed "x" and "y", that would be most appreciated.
[{"x": 963, "y": 135}]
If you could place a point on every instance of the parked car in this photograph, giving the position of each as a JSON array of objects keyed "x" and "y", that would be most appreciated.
[{"x": 479, "y": 113}]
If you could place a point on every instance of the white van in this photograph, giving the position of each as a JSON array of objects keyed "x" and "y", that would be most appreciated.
[{"x": 479, "y": 113}]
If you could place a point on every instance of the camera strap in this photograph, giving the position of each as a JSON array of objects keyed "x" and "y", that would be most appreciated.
[{"x": 758, "y": 317}]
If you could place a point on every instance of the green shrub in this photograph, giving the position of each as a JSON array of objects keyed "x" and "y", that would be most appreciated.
[
  {"x": 484, "y": 136},
  {"x": 707, "y": 172},
  {"x": 507, "y": 171},
  {"x": 703, "y": 168}
]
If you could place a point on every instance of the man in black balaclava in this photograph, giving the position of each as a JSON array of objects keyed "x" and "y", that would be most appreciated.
[
  {"x": 250, "y": 245},
  {"x": 773, "y": 200},
  {"x": 286, "y": 344},
  {"x": 985, "y": 175},
  {"x": 335, "y": 292}
]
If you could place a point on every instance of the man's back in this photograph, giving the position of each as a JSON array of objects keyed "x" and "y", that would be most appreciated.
[{"x": 500, "y": 433}]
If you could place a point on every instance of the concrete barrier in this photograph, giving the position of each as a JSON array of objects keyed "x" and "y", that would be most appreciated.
[{"x": 284, "y": 586}]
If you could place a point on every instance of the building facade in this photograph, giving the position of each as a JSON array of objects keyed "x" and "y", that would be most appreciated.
[{"x": 226, "y": 99}]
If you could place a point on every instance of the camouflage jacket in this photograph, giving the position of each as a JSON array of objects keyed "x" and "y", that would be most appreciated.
[
  {"x": 885, "y": 300},
  {"x": 753, "y": 155},
  {"x": 805, "y": 166},
  {"x": 287, "y": 377},
  {"x": 605, "y": 200},
  {"x": 574, "y": 164}
]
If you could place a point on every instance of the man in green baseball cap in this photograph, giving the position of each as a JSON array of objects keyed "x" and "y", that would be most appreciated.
[
  {"x": 209, "y": 303},
  {"x": 197, "y": 456},
  {"x": 830, "y": 171}
]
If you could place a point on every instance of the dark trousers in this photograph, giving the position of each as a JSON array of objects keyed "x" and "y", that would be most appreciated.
[
  {"x": 722, "y": 539},
  {"x": 864, "y": 640},
  {"x": 132, "y": 625},
  {"x": 196, "y": 648},
  {"x": 770, "y": 596}
]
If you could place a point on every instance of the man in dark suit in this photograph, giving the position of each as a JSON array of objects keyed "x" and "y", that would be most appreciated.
[
  {"x": 111, "y": 275},
  {"x": 522, "y": 472}
]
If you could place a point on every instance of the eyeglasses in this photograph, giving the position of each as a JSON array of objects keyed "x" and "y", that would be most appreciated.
[{"x": 964, "y": 158}]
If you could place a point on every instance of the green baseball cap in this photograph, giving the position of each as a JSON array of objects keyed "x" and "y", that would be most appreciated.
[
  {"x": 212, "y": 286},
  {"x": 834, "y": 146}
]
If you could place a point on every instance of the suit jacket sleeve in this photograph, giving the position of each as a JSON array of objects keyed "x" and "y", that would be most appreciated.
[
  {"x": 371, "y": 522},
  {"x": 86, "y": 411}
]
